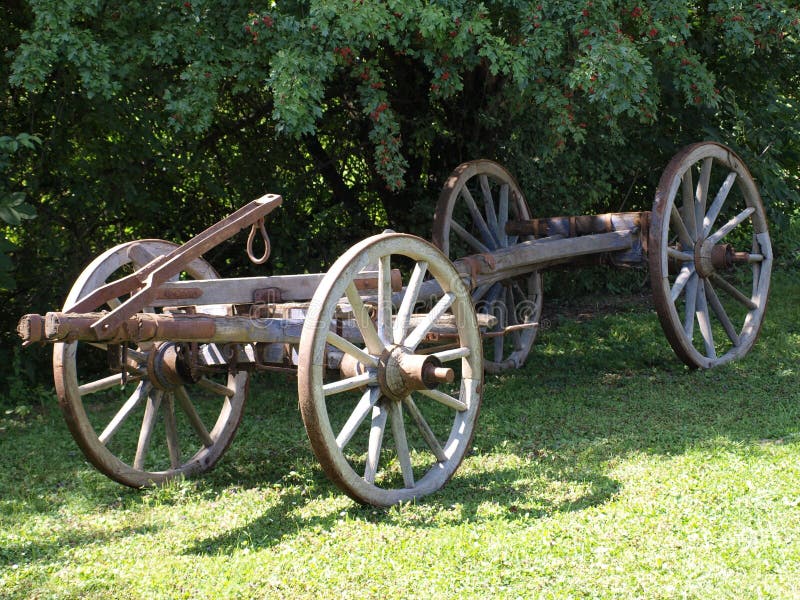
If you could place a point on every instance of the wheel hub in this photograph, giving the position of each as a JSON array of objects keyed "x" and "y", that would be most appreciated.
[
  {"x": 169, "y": 366},
  {"x": 710, "y": 257},
  {"x": 400, "y": 371}
]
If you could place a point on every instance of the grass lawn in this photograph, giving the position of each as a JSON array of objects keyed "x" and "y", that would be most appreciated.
[{"x": 603, "y": 468}]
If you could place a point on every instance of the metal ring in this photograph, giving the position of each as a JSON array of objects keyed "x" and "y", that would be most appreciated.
[{"x": 260, "y": 226}]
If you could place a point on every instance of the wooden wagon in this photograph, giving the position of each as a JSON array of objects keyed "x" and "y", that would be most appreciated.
[{"x": 396, "y": 335}]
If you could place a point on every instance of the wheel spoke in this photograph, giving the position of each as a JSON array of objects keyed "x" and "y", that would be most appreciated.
[
  {"x": 688, "y": 206},
  {"x": 379, "y": 415},
  {"x": 217, "y": 388},
  {"x": 491, "y": 214},
  {"x": 139, "y": 394},
  {"x": 680, "y": 281},
  {"x": 347, "y": 347},
  {"x": 719, "y": 200},
  {"x": 420, "y": 331},
  {"x": 701, "y": 194},
  {"x": 480, "y": 292},
  {"x": 194, "y": 419},
  {"x": 502, "y": 215},
  {"x": 468, "y": 237},
  {"x": 350, "y": 383},
  {"x": 733, "y": 292},
  {"x": 445, "y": 399},
  {"x": 409, "y": 300},
  {"x": 139, "y": 357},
  {"x": 498, "y": 343},
  {"x": 478, "y": 220},
  {"x": 401, "y": 443},
  {"x": 719, "y": 310},
  {"x": 385, "y": 299},
  {"x": 730, "y": 225},
  {"x": 705, "y": 323},
  {"x": 171, "y": 428},
  {"x": 363, "y": 321},
  {"x": 511, "y": 310},
  {"x": 680, "y": 256},
  {"x": 680, "y": 228},
  {"x": 363, "y": 408},
  {"x": 691, "y": 304},
  {"x": 454, "y": 354},
  {"x": 104, "y": 384},
  {"x": 148, "y": 424},
  {"x": 424, "y": 429}
]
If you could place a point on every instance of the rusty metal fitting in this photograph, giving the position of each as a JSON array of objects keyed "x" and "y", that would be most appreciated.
[{"x": 400, "y": 371}]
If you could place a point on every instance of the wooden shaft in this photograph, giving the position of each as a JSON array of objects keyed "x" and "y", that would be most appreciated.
[
  {"x": 490, "y": 267},
  {"x": 534, "y": 254},
  {"x": 261, "y": 290}
]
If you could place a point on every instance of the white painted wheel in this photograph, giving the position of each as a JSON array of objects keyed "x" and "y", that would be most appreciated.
[
  {"x": 155, "y": 430},
  {"x": 382, "y": 378}
]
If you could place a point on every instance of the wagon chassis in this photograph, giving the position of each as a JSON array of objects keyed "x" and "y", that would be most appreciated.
[{"x": 397, "y": 333}]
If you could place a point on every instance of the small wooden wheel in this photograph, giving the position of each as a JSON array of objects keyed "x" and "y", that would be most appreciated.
[
  {"x": 710, "y": 255},
  {"x": 429, "y": 396},
  {"x": 146, "y": 440},
  {"x": 463, "y": 226}
]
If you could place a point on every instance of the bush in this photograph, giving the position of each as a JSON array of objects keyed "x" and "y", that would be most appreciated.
[{"x": 157, "y": 119}]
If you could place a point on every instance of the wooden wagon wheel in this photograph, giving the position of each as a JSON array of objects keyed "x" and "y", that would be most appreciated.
[
  {"x": 463, "y": 225},
  {"x": 430, "y": 397},
  {"x": 710, "y": 255},
  {"x": 158, "y": 431}
]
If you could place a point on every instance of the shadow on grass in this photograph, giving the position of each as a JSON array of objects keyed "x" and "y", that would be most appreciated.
[
  {"x": 51, "y": 550},
  {"x": 469, "y": 492}
]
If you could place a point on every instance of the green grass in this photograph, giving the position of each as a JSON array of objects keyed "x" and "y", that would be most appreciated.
[{"x": 603, "y": 469}]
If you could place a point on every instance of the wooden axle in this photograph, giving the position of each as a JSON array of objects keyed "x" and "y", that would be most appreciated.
[
  {"x": 149, "y": 327},
  {"x": 581, "y": 225},
  {"x": 178, "y": 327}
]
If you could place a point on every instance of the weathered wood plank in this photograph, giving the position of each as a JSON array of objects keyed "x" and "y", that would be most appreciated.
[{"x": 242, "y": 290}]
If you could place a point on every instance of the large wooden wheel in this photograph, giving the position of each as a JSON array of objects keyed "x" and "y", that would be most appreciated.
[
  {"x": 157, "y": 428},
  {"x": 428, "y": 396},
  {"x": 710, "y": 255},
  {"x": 463, "y": 225}
]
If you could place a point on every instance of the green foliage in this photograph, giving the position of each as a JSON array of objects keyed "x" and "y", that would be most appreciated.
[
  {"x": 13, "y": 207},
  {"x": 157, "y": 119}
]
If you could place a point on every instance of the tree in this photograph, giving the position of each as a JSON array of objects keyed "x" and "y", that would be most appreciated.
[{"x": 159, "y": 118}]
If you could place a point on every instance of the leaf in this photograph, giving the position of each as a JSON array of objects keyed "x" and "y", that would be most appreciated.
[
  {"x": 14, "y": 209},
  {"x": 9, "y": 215}
]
